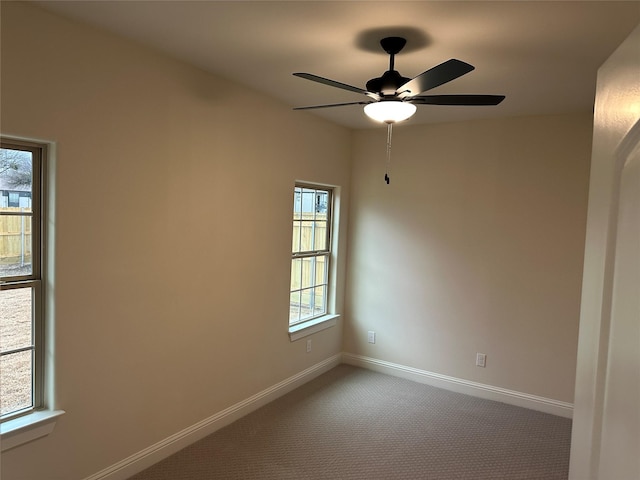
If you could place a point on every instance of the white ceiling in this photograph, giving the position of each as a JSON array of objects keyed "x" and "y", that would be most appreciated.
[{"x": 542, "y": 55}]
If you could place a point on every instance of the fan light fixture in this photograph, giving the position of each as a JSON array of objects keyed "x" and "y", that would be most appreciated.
[
  {"x": 389, "y": 111},
  {"x": 393, "y": 98}
]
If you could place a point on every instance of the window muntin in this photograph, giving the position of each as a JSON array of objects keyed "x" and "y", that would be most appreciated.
[
  {"x": 310, "y": 253},
  {"x": 21, "y": 300}
]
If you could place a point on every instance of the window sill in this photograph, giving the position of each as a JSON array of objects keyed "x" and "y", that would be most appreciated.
[
  {"x": 304, "y": 329},
  {"x": 27, "y": 428}
]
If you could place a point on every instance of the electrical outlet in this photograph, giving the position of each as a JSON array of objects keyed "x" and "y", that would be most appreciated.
[
  {"x": 481, "y": 360},
  {"x": 371, "y": 336},
  {"x": 308, "y": 345}
]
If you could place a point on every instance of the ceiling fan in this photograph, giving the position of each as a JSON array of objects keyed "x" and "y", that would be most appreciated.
[{"x": 393, "y": 98}]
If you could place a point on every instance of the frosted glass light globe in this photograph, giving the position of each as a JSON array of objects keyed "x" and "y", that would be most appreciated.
[{"x": 389, "y": 111}]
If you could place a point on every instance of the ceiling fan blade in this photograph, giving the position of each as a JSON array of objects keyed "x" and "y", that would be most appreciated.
[
  {"x": 331, "y": 105},
  {"x": 436, "y": 76},
  {"x": 333, "y": 83},
  {"x": 462, "y": 100}
]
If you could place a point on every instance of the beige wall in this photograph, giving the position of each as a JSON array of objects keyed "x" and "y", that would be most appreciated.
[
  {"x": 156, "y": 327},
  {"x": 475, "y": 246}
]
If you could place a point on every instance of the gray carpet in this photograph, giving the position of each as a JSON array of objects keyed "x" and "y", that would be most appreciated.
[{"x": 352, "y": 423}]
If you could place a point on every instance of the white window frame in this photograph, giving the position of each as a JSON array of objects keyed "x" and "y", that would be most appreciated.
[
  {"x": 326, "y": 319},
  {"x": 38, "y": 419}
]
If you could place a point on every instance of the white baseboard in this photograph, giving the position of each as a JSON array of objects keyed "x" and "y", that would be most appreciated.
[
  {"x": 511, "y": 397},
  {"x": 170, "y": 445}
]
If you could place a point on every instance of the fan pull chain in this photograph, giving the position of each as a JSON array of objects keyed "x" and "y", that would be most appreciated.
[{"x": 389, "y": 133}]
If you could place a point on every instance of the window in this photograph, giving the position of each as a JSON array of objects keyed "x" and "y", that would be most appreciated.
[
  {"x": 21, "y": 288},
  {"x": 311, "y": 251}
]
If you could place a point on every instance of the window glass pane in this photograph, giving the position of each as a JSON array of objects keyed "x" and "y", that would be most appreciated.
[
  {"x": 297, "y": 202},
  {"x": 16, "y": 178},
  {"x": 306, "y": 303},
  {"x": 296, "y": 237},
  {"x": 296, "y": 273},
  {"x": 15, "y": 245},
  {"x": 308, "y": 271},
  {"x": 321, "y": 270},
  {"x": 306, "y": 237},
  {"x": 319, "y": 300},
  {"x": 322, "y": 204},
  {"x": 320, "y": 236},
  {"x": 294, "y": 307},
  {"x": 15, "y": 319},
  {"x": 308, "y": 203},
  {"x": 16, "y": 388}
]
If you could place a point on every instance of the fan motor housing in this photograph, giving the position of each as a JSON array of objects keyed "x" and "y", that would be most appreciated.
[{"x": 387, "y": 84}]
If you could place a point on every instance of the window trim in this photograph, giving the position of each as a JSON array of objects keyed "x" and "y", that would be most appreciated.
[
  {"x": 26, "y": 428},
  {"x": 329, "y": 318},
  {"x": 40, "y": 419},
  {"x": 314, "y": 325},
  {"x": 324, "y": 252}
]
